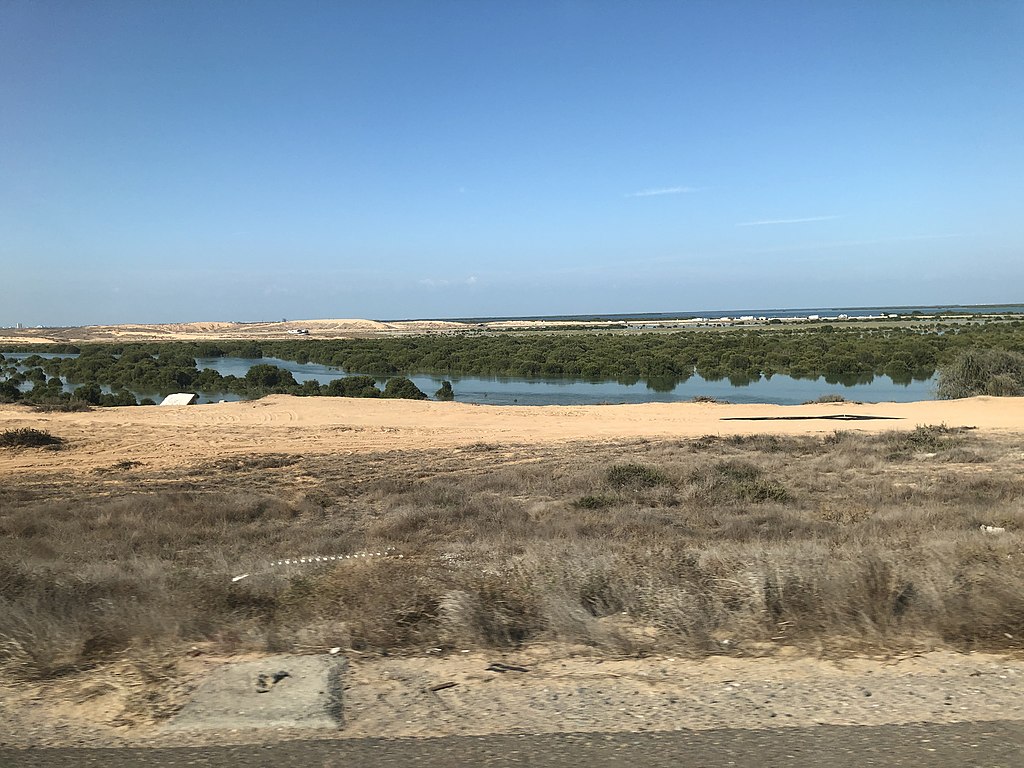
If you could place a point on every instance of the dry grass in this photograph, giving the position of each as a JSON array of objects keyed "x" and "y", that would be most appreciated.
[
  {"x": 61, "y": 406},
  {"x": 715, "y": 545}
]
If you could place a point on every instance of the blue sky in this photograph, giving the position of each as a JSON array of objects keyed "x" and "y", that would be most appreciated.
[{"x": 187, "y": 160}]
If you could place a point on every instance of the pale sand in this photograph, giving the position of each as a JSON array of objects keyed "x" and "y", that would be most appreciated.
[
  {"x": 184, "y": 435},
  {"x": 220, "y": 331}
]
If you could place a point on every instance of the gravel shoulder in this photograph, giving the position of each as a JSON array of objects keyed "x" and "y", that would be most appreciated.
[{"x": 538, "y": 690}]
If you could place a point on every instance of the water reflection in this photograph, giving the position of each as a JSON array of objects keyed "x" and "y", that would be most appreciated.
[{"x": 903, "y": 386}]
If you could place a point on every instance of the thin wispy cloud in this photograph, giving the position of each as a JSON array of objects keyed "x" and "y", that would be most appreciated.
[
  {"x": 853, "y": 243},
  {"x": 662, "y": 191},
  {"x": 802, "y": 220},
  {"x": 440, "y": 282}
]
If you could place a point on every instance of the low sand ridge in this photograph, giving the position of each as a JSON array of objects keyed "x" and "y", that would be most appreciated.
[{"x": 221, "y": 331}]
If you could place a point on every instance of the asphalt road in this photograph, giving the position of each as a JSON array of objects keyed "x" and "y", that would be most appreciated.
[{"x": 997, "y": 744}]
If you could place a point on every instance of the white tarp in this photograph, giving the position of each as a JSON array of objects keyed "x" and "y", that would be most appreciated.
[{"x": 180, "y": 398}]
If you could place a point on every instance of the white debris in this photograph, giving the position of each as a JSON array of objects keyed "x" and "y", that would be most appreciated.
[{"x": 310, "y": 559}]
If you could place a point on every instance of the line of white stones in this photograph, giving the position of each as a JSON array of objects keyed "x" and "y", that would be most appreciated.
[{"x": 313, "y": 559}]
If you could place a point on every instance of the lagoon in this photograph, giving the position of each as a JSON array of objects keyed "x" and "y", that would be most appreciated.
[{"x": 778, "y": 389}]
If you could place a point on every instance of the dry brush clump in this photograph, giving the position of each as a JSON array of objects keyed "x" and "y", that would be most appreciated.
[
  {"x": 716, "y": 545},
  {"x": 29, "y": 438}
]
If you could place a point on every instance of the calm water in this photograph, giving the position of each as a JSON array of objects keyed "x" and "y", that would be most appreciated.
[
  {"x": 782, "y": 390},
  {"x": 779, "y": 389}
]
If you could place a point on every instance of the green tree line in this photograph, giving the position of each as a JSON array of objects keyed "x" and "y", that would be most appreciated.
[
  {"x": 169, "y": 370},
  {"x": 846, "y": 355}
]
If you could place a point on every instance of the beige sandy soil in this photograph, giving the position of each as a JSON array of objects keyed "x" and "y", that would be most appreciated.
[
  {"x": 319, "y": 329},
  {"x": 560, "y": 689},
  {"x": 214, "y": 331},
  {"x": 166, "y": 437},
  {"x": 564, "y": 689}
]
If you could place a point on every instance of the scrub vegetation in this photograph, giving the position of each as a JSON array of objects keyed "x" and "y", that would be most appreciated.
[
  {"x": 735, "y": 545},
  {"x": 162, "y": 370},
  {"x": 996, "y": 372},
  {"x": 846, "y": 355}
]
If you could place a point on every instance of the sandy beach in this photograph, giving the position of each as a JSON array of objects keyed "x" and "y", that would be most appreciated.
[{"x": 178, "y": 436}]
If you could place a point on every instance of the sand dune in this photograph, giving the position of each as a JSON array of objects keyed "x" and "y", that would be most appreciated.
[
  {"x": 180, "y": 436},
  {"x": 215, "y": 330}
]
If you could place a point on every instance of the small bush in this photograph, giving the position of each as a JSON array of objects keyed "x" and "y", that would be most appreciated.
[
  {"x": 766, "y": 443},
  {"x": 29, "y": 438},
  {"x": 9, "y": 392},
  {"x": 126, "y": 464},
  {"x": 736, "y": 481},
  {"x": 593, "y": 502},
  {"x": 497, "y": 610},
  {"x": 929, "y": 438},
  {"x": 833, "y": 397},
  {"x": 445, "y": 393},
  {"x": 267, "y": 461},
  {"x": 635, "y": 476}
]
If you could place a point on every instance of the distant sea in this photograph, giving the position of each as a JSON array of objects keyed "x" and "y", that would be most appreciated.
[{"x": 973, "y": 309}]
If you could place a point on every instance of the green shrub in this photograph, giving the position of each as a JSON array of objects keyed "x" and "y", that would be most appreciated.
[
  {"x": 270, "y": 377},
  {"x": 402, "y": 388},
  {"x": 352, "y": 386},
  {"x": 9, "y": 392},
  {"x": 995, "y": 372}
]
